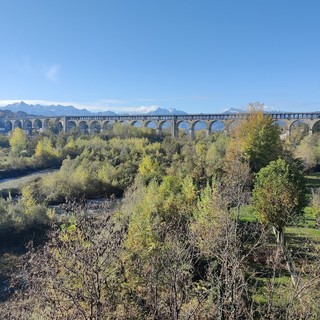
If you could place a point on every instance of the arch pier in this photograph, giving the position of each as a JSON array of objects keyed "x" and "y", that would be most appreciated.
[{"x": 188, "y": 123}]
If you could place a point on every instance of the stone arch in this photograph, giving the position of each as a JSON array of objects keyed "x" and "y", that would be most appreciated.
[
  {"x": 217, "y": 126},
  {"x": 185, "y": 125},
  {"x": 27, "y": 125},
  {"x": 45, "y": 124},
  {"x": 107, "y": 125},
  {"x": 199, "y": 125},
  {"x": 281, "y": 124},
  {"x": 136, "y": 123},
  {"x": 95, "y": 127},
  {"x": 37, "y": 124},
  {"x": 231, "y": 125},
  {"x": 2, "y": 126},
  {"x": 298, "y": 130},
  {"x": 59, "y": 126},
  {"x": 8, "y": 125},
  {"x": 83, "y": 126},
  {"x": 165, "y": 124},
  {"x": 17, "y": 124},
  {"x": 71, "y": 125},
  {"x": 150, "y": 124},
  {"x": 316, "y": 127}
]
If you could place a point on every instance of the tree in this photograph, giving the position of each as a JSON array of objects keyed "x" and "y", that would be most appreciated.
[
  {"x": 18, "y": 141},
  {"x": 256, "y": 139},
  {"x": 309, "y": 151},
  {"x": 279, "y": 197}
]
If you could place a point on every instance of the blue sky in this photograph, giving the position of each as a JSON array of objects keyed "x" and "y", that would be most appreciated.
[{"x": 197, "y": 56}]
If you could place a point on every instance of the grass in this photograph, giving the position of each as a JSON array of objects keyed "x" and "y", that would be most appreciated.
[
  {"x": 313, "y": 180},
  {"x": 303, "y": 239},
  {"x": 247, "y": 214}
]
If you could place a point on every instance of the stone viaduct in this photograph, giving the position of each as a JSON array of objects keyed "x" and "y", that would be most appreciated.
[{"x": 97, "y": 124}]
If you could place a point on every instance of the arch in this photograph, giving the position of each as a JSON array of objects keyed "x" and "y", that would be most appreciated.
[
  {"x": 316, "y": 127},
  {"x": 282, "y": 126},
  {"x": 298, "y": 130},
  {"x": 150, "y": 124},
  {"x": 165, "y": 125},
  {"x": 217, "y": 126},
  {"x": 8, "y": 126},
  {"x": 107, "y": 125},
  {"x": 183, "y": 128},
  {"x": 95, "y": 127},
  {"x": 59, "y": 126},
  {"x": 199, "y": 125},
  {"x": 27, "y": 126},
  {"x": 70, "y": 125},
  {"x": 231, "y": 125},
  {"x": 17, "y": 124},
  {"x": 37, "y": 124},
  {"x": 136, "y": 123},
  {"x": 2, "y": 126},
  {"x": 46, "y": 124},
  {"x": 83, "y": 126},
  {"x": 184, "y": 125}
]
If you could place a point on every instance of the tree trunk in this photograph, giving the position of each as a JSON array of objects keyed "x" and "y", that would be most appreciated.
[{"x": 279, "y": 233}]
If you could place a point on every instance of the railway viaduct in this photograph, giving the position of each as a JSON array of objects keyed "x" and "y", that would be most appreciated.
[{"x": 97, "y": 124}]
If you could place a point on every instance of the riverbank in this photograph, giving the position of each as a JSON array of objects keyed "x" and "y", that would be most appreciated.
[{"x": 17, "y": 183}]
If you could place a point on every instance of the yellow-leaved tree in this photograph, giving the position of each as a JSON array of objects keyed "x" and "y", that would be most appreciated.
[{"x": 18, "y": 141}]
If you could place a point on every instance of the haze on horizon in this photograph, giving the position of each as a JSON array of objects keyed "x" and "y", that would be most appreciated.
[{"x": 194, "y": 56}]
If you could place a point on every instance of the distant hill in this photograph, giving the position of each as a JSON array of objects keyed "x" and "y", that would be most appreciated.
[{"x": 10, "y": 114}]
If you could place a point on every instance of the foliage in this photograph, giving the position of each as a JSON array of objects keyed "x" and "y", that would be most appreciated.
[
  {"x": 309, "y": 151},
  {"x": 175, "y": 244},
  {"x": 256, "y": 139},
  {"x": 279, "y": 194},
  {"x": 18, "y": 141},
  {"x": 75, "y": 275}
]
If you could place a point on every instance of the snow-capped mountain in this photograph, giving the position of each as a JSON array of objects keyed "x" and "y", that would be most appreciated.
[
  {"x": 60, "y": 110},
  {"x": 154, "y": 111},
  {"x": 43, "y": 110},
  {"x": 233, "y": 110}
]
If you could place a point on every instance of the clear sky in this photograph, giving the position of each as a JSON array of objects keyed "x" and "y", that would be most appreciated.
[{"x": 197, "y": 56}]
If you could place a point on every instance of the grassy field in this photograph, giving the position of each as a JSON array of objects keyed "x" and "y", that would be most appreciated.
[{"x": 303, "y": 241}]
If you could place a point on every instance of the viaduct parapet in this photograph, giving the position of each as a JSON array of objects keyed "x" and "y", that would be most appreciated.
[{"x": 97, "y": 124}]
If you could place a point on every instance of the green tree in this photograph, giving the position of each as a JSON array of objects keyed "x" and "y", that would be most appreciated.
[
  {"x": 279, "y": 197},
  {"x": 18, "y": 141}
]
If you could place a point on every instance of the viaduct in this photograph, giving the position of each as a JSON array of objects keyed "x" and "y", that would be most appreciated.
[{"x": 97, "y": 124}]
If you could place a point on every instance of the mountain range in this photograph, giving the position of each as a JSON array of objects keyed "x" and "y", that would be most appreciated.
[{"x": 60, "y": 110}]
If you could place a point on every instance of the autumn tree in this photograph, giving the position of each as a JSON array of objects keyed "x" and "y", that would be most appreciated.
[
  {"x": 18, "y": 141},
  {"x": 256, "y": 139},
  {"x": 308, "y": 151}
]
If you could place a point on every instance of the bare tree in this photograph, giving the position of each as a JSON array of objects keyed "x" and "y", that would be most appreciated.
[{"x": 75, "y": 275}]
